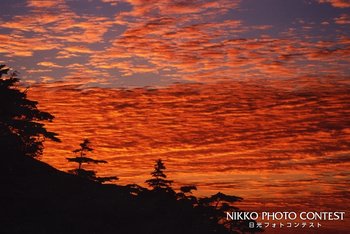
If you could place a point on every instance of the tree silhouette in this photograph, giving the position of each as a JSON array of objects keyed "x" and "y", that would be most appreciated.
[
  {"x": 82, "y": 159},
  {"x": 185, "y": 194},
  {"x": 21, "y": 132},
  {"x": 188, "y": 189},
  {"x": 159, "y": 182},
  {"x": 215, "y": 208}
]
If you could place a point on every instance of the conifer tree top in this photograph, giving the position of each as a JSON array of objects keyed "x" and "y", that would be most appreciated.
[
  {"x": 158, "y": 181},
  {"x": 21, "y": 129},
  {"x": 82, "y": 159}
]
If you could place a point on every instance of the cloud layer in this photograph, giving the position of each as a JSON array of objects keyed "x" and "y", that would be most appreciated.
[
  {"x": 131, "y": 42},
  {"x": 273, "y": 140}
]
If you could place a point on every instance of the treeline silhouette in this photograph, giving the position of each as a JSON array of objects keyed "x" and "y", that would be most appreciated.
[
  {"x": 83, "y": 159},
  {"x": 37, "y": 198}
]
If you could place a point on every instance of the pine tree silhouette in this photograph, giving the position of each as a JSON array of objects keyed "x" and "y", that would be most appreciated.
[
  {"x": 21, "y": 130},
  {"x": 159, "y": 182},
  {"x": 82, "y": 159}
]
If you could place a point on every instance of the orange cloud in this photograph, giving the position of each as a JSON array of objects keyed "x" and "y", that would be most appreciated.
[
  {"x": 78, "y": 49},
  {"x": 90, "y": 30},
  {"x": 112, "y": 2},
  {"x": 18, "y": 45},
  {"x": 49, "y": 64},
  {"x": 219, "y": 136},
  {"x": 337, "y": 3},
  {"x": 44, "y": 3}
]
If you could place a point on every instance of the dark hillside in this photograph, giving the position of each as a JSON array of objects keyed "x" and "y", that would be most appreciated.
[{"x": 37, "y": 198}]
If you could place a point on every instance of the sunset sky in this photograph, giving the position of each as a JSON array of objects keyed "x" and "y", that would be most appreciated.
[
  {"x": 249, "y": 97},
  {"x": 113, "y": 43}
]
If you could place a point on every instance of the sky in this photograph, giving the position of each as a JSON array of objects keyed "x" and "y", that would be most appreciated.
[
  {"x": 246, "y": 97},
  {"x": 133, "y": 43}
]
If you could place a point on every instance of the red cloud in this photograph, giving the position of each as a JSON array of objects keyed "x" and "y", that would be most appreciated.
[
  {"x": 343, "y": 19},
  {"x": 337, "y": 3}
]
